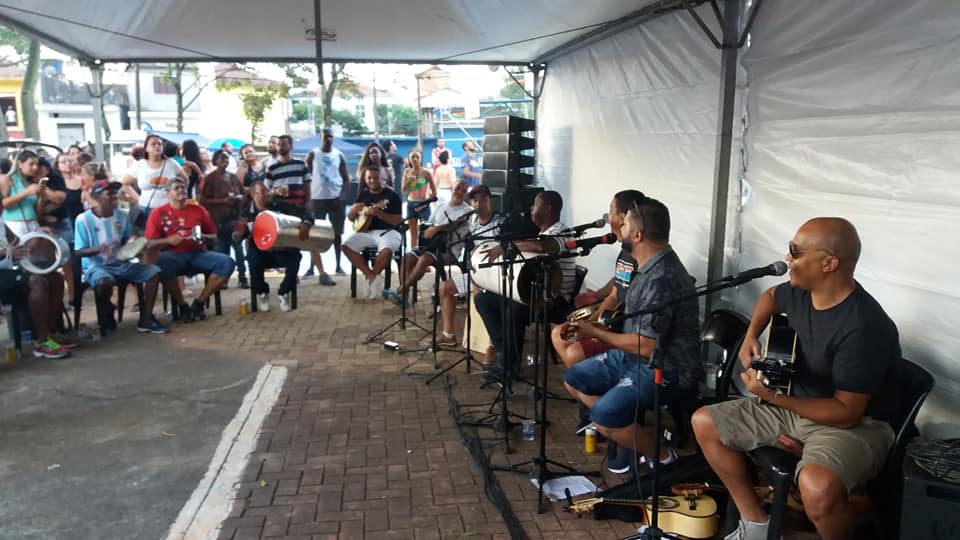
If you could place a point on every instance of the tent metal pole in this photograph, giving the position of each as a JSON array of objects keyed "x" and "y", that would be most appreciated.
[
  {"x": 721, "y": 184},
  {"x": 97, "y": 71}
]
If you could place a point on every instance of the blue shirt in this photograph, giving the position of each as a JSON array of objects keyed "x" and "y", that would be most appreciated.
[
  {"x": 92, "y": 231},
  {"x": 472, "y": 164}
]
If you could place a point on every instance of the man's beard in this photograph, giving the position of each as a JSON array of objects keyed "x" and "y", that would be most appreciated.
[{"x": 626, "y": 245}]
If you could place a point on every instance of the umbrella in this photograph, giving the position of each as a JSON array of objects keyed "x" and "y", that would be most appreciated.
[{"x": 217, "y": 143}]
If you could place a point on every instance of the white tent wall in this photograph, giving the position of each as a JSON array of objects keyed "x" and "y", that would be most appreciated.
[
  {"x": 637, "y": 110},
  {"x": 854, "y": 110}
]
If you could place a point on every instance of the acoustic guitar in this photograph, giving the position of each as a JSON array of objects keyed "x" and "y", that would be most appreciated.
[
  {"x": 775, "y": 370},
  {"x": 364, "y": 219},
  {"x": 690, "y": 516}
]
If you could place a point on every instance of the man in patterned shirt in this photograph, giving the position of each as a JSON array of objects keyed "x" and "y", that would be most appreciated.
[{"x": 615, "y": 384}]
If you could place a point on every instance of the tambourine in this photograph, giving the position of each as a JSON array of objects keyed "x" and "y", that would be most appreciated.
[{"x": 132, "y": 249}]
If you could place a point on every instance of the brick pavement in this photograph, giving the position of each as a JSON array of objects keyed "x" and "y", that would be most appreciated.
[{"x": 354, "y": 449}]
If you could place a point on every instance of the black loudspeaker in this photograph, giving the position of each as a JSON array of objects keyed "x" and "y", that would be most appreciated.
[
  {"x": 515, "y": 206},
  {"x": 508, "y": 146},
  {"x": 931, "y": 507}
]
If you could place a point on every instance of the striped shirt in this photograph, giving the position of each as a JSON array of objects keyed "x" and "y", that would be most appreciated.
[
  {"x": 92, "y": 230},
  {"x": 568, "y": 266},
  {"x": 294, "y": 175}
]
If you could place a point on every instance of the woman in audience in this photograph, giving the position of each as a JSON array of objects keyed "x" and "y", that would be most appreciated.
[{"x": 374, "y": 156}]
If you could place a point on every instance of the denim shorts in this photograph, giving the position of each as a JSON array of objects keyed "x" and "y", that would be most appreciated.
[
  {"x": 173, "y": 264},
  {"x": 132, "y": 272},
  {"x": 625, "y": 386}
]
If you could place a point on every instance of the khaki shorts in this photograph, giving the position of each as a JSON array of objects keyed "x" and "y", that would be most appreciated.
[{"x": 855, "y": 455}]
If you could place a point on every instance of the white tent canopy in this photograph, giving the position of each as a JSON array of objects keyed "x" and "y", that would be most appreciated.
[
  {"x": 413, "y": 31},
  {"x": 844, "y": 108}
]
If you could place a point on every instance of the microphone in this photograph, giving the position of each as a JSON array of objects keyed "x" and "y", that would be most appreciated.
[
  {"x": 424, "y": 204},
  {"x": 778, "y": 268},
  {"x": 579, "y": 229},
  {"x": 589, "y": 243}
]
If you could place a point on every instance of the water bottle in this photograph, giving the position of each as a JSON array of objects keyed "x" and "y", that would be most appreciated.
[
  {"x": 529, "y": 430},
  {"x": 26, "y": 336}
]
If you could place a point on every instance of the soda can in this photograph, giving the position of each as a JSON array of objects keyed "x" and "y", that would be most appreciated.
[
  {"x": 244, "y": 307},
  {"x": 590, "y": 440}
]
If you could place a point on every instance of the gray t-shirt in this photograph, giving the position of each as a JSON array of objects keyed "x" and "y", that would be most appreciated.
[{"x": 660, "y": 279}]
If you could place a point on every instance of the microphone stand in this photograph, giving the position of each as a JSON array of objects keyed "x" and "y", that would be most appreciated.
[
  {"x": 403, "y": 321},
  {"x": 653, "y": 530},
  {"x": 541, "y": 463}
]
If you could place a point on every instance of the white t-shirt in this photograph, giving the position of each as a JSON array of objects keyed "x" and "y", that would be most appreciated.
[
  {"x": 326, "y": 181},
  {"x": 447, "y": 213},
  {"x": 152, "y": 196}
]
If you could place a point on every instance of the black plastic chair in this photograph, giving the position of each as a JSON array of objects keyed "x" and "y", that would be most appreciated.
[
  {"x": 175, "y": 309},
  {"x": 723, "y": 328},
  {"x": 916, "y": 385},
  {"x": 370, "y": 255}
]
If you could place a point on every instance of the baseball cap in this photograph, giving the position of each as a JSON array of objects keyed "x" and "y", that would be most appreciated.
[
  {"x": 100, "y": 186},
  {"x": 478, "y": 190}
]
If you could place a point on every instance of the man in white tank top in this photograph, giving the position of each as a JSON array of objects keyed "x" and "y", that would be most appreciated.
[{"x": 328, "y": 168}]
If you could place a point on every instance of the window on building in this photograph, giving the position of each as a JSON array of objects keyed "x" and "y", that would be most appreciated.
[
  {"x": 360, "y": 110},
  {"x": 160, "y": 86}
]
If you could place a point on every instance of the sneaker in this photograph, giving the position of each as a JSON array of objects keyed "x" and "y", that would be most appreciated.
[
  {"x": 395, "y": 297},
  {"x": 153, "y": 326},
  {"x": 309, "y": 273},
  {"x": 184, "y": 314},
  {"x": 66, "y": 342},
  {"x": 197, "y": 307},
  {"x": 284, "y": 302},
  {"x": 263, "y": 302},
  {"x": 326, "y": 280},
  {"x": 50, "y": 349},
  {"x": 375, "y": 288},
  {"x": 244, "y": 284},
  {"x": 448, "y": 340},
  {"x": 341, "y": 271},
  {"x": 622, "y": 462},
  {"x": 748, "y": 530}
]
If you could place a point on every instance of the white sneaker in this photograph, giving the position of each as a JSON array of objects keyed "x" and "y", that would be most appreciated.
[
  {"x": 284, "y": 302},
  {"x": 263, "y": 302},
  {"x": 375, "y": 288}
]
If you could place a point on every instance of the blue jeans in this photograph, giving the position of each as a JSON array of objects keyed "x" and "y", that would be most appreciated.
[
  {"x": 132, "y": 272},
  {"x": 624, "y": 384},
  {"x": 224, "y": 243},
  {"x": 173, "y": 264}
]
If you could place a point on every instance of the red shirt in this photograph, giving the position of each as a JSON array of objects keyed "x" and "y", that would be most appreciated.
[{"x": 165, "y": 220}]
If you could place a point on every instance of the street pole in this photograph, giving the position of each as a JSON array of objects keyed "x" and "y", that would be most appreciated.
[
  {"x": 419, "y": 118},
  {"x": 97, "y": 70},
  {"x": 136, "y": 87}
]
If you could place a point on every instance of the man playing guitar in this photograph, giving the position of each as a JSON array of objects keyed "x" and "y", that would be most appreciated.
[
  {"x": 618, "y": 383},
  {"x": 438, "y": 236},
  {"x": 850, "y": 356},
  {"x": 384, "y": 208}
]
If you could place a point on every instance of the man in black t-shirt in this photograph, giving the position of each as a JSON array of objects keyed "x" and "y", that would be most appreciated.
[
  {"x": 572, "y": 352},
  {"x": 844, "y": 391},
  {"x": 382, "y": 206}
]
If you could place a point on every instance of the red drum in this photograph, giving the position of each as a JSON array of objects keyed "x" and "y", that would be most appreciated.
[{"x": 272, "y": 230}]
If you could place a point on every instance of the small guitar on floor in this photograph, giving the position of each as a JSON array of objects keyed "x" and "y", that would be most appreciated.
[
  {"x": 690, "y": 516},
  {"x": 775, "y": 370}
]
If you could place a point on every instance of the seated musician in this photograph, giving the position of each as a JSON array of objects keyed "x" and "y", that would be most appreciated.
[
  {"x": 572, "y": 352},
  {"x": 383, "y": 208},
  {"x": 447, "y": 228},
  {"x": 170, "y": 227},
  {"x": 40, "y": 294},
  {"x": 483, "y": 224},
  {"x": 545, "y": 214},
  {"x": 844, "y": 391},
  {"x": 618, "y": 383},
  {"x": 288, "y": 259},
  {"x": 98, "y": 233}
]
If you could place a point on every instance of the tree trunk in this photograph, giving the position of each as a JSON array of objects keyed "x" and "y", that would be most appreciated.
[
  {"x": 28, "y": 102},
  {"x": 178, "y": 86},
  {"x": 328, "y": 92}
]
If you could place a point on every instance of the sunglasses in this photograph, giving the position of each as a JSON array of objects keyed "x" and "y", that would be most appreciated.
[
  {"x": 795, "y": 251},
  {"x": 638, "y": 210}
]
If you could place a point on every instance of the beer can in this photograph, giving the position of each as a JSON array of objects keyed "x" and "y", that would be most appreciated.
[
  {"x": 244, "y": 307},
  {"x": 590, "y": 440},
  {"x": 11, "y": 353}
]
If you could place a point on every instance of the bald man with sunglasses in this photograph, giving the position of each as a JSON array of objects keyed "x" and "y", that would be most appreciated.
[{"x": 844, "y": 392}]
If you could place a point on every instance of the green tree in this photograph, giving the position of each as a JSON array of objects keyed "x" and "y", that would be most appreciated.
[
  {"x": 336, "y": 83},
  {"x": 397, "y": 119},
  {"x": 512, "y": 90},
  {"x": 351, "y": 123},
  {"x": 257, "y": 100},
  {"x": 25, "y": 50},
  {"x": 300, "y": 111}
]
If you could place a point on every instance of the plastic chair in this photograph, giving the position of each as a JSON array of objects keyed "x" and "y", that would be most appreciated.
[
  {"x": 370, "y": 255},
  {"x": 723, "y": 328},
  {"x": 175, "y": 310}
]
